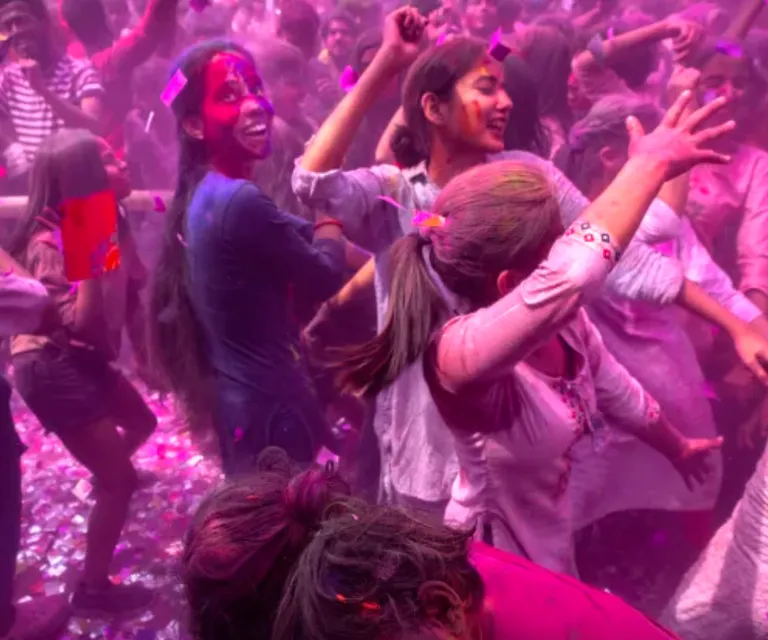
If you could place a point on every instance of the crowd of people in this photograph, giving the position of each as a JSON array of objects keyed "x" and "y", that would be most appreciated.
[{"x": 467, "y": 297}]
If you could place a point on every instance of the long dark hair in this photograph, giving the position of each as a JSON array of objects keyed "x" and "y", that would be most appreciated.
[
  {"x": 499, "y": 216},
  {"x": 379, "y": 573},
  {"x": 436, "y": 70},
  {"x": 548, "y": 53},
  {"x": 524, "y": 130},
  {"x": 67, "y": 165},
  {"x": 245, "y": 540},
  {"x": 177, "y": 344}
]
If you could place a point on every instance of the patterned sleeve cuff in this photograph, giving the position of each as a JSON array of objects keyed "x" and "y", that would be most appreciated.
[{"x": 595, "y": 238}]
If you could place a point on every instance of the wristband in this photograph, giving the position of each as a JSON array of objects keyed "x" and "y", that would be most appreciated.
[
  {"x": 328, "y": 223},
  {"x": 595, "y": 47}
]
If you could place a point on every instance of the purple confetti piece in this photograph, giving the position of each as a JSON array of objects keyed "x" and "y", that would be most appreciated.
[
  {"x": 497, "y": 49},
  {"x": 348, "y": 79},
  {"x": 730, "y": 49},
  {"x": 441, "y": 40},
  {"x": 181, "y": 240},
  {"x": 159, "y": 204},
  {"x": 198, "y": 5},
  {"x": 174, "y": 87},
  {"x": 82, "y": 489}
]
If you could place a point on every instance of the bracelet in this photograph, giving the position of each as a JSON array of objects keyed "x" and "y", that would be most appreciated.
[{"x": 327, "y": 223}]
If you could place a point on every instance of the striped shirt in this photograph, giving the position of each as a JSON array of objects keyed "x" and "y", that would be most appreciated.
[{"x": 32, "y": 117}]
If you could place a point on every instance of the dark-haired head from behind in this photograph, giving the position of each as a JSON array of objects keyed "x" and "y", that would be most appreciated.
[
  {"x": 376, "y": 573},
  {"x": 244, "y": 542}
]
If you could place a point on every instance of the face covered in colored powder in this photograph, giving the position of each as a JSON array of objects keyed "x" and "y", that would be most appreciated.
[
  {"x": 727, "y": 77},
  {"x": 237, "y": 116},
  {"x": 480, "y": 108}
]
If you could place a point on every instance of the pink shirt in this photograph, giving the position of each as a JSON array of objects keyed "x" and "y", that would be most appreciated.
[{"x": 528, "y": 602}]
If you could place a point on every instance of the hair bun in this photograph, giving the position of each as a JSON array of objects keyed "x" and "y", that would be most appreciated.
[
  {"x": 275, "y": 460},
  {"x": 308, "y": 496},
  {"x": 407, "y": 147}
]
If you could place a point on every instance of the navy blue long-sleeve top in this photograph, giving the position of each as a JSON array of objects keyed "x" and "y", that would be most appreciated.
[{"x": 245, "y": 257}]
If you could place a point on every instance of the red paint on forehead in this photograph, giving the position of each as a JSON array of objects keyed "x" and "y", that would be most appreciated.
[{"x": 220, "y": 67}]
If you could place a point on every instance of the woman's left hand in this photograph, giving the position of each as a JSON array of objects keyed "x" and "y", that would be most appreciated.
[
  {"x": 693, "y": 462},
  {"x": 752, "y": 347}
]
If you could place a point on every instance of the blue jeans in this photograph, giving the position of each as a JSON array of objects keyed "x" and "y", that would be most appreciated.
[{"x": 10, "y": 507}]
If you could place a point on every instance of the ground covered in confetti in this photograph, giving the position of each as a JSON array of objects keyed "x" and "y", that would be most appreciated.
[{"x": 54, "y": 519}]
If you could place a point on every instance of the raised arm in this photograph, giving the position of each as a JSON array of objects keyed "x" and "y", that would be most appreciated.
[
  {"x": 154, "y": 28},
  {"x": 402, "y": 33},
  {"x": 480, "y": 344}
]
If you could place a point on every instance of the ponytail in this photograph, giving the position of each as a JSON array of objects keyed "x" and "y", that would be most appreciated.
[
  {"x": 408, "y": 147},
  {"x": 415, "y": 309}
]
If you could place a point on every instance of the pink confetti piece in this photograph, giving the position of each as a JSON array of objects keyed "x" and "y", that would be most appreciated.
[
  {"x": 611, "y": 33},
  {"x": 182, "y": 241},
  {"x": 497, "y": 49},
  {"x": 150, "y": 119},
  {"x": 174, "y": 87},
  {"x": 391, "y": 201},
  {"x": 82, "y": 489},
  {"x": 442, "y": 39},
  {"x": 348, "y": 79},
  {"x": 239, "y": 433},
  {"x": 730, "y": 49},
  {"x": 159, "y": 204},
  {"x": 324, "y": 456},
  {"x": 73, "y": 289}
]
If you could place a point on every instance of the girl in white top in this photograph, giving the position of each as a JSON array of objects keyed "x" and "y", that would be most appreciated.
[
  {"x": 456, "y": 112},
  {"x": 486, "y": 307}
]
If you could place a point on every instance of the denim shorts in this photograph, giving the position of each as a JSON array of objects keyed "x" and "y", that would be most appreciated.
[{"x": 65, "y": 388}]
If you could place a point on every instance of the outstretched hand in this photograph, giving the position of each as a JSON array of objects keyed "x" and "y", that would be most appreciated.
[
  {"x": 680, "y": 141},
  {"x": 694, "y": 462}
]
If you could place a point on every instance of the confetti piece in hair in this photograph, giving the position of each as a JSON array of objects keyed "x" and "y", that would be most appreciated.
[
  {"x": 182, "y": 240},
  {"x": 497, "y": 48},
  {"x": 149, "y": 121},
  {"x": 82, "y": 489},
  {"x": 611, "y": 33},
  {"x": 348, "y": 79},
  {"x": 442, "y": 39},
  {"x": 427, "y": 220},
  {"x": 324, "y": 456},
  {"x": 730, "y": 49},
  {"x": 174, "y": 87},
  {"x": 159, "y": 204}
]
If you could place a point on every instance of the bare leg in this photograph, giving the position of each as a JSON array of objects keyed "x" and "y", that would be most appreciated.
[{"x": 102, "y": 450}]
